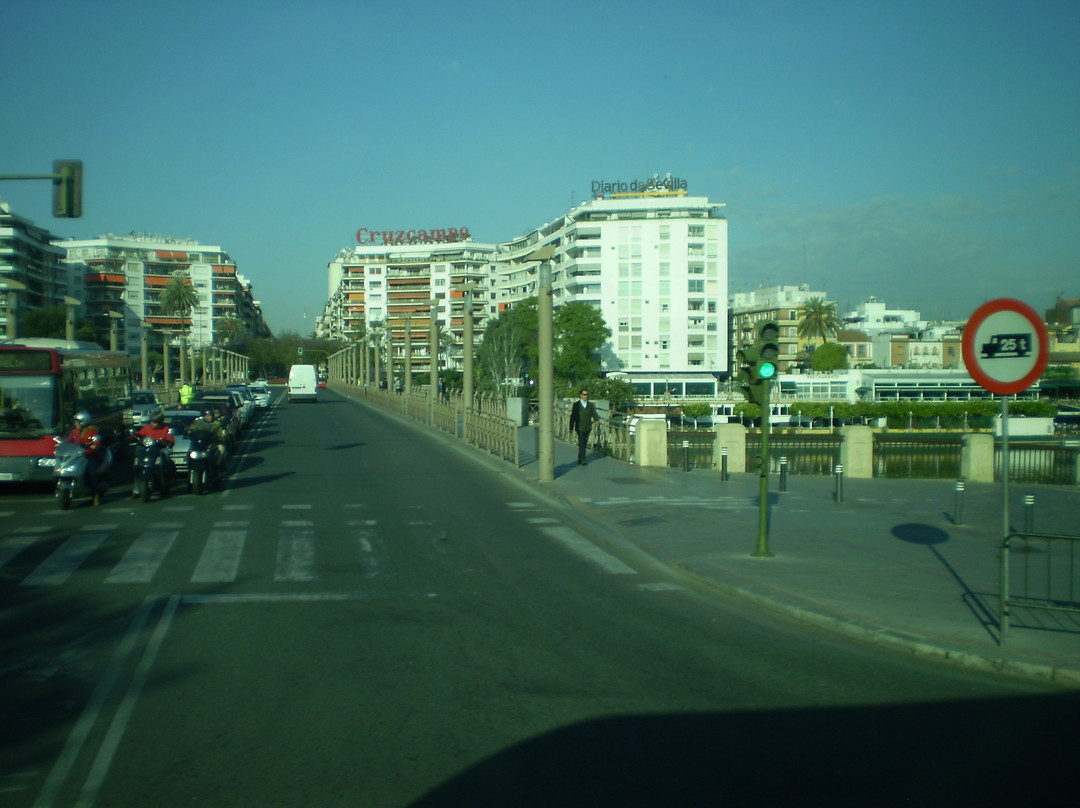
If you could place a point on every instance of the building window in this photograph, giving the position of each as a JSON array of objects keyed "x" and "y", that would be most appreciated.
[{"x": 695, "y": 287}]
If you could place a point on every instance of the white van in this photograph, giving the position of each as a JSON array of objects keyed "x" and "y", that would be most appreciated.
[{"x": 303, "y": 383}]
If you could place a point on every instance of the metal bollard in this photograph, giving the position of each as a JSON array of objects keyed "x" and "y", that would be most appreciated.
[
  {"x": 686, "y": 455},
  {"x": 723, "y": 464},
  {"x": 783, "y": 473},
  {"x": 839, "y": 482},
  {"x": 958, "y": 511},
  {"x": 1029, "y": 513}
]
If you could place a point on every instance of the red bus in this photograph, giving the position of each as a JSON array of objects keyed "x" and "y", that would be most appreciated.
[{"x": 43, "y": 383}]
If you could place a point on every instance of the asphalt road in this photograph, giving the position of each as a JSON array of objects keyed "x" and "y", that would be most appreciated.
[{"x": 367, "y": 616}]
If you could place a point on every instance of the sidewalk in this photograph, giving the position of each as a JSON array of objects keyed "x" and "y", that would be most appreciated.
[{"x": 888, "y": 564}]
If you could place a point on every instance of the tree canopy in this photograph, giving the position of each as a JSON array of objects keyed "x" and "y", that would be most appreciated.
[{"x": 829, "y": 356}]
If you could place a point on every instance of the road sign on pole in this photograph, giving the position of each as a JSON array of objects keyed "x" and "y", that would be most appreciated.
[{"x": 1005, "y": 348}]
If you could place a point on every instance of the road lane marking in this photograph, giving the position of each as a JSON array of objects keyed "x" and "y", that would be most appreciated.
[
  {"x": 143, "y": 559},
  {"x": 109, "y": 745},
  {"x": 11, "y": 546},
  {"x": 296, "y": 552},
  {"x": 220, "y": 559},
  {"x": 587, "y": 550},
  {"x": 68, "y": 557},
  {"x": 74, "y": 744}
]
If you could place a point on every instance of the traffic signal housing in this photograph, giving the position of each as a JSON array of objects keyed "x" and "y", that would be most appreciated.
[
  {"x": 748, "y": 360},
  {"x": 759, "y": 364},
  {"x": 67, "y": 188},
  {"x": 768, "y": 351}
]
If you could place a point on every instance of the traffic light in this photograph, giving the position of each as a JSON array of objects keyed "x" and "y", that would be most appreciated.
[
  {"x": 768, "y": 351},
  {"x": 758, "y": 364},
  {"x": 67, "y": 189},
  {"x": 748, "y": 381}
]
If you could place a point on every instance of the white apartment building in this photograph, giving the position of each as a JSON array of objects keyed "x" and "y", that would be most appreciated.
[
  {"x": 655, "y": 265},
  {"x": 125, "y": 275}
]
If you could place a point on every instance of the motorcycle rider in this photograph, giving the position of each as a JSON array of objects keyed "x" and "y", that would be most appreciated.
[
  {"x": 157, "y": 430},
  {"x": 207, "y": 423},
  {"x": 87, "y": 436}
]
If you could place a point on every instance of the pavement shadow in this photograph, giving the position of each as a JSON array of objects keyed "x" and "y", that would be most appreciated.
[
  {"x": 910, "y": 754},
  {"x": 978, "y": 603}
]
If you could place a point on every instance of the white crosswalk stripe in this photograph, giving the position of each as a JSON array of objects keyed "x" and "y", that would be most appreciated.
[
  {"x": 68, "y": 557},
  {"x": 296, "y": 552},
  {"x": 220, "y": 559},
  {"x": 140, "y": 563}
]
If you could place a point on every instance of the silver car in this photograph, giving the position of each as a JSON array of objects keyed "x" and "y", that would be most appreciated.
[
  {"x": 143, "y": 403},
  {"x": 261, "y": 393}
]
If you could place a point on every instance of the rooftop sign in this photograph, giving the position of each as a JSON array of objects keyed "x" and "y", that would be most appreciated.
[
  {"x": 654, "y": 184},
  {"x": 436, "y": 236}
]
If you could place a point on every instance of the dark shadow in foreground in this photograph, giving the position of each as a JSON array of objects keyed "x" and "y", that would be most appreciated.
[{"x": 998, "y": 752}]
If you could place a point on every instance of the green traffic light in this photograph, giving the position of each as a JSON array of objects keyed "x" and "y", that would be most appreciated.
[{"x": 766, "y": 370}]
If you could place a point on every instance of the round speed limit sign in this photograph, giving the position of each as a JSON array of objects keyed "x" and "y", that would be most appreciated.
[{"x": 1005, "y": 346}]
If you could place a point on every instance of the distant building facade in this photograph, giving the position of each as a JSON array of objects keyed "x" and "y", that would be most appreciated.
[
  {"x": 126, "y": 274},
  {"x": 28, "y": 259},
  {"x": 654, "y": 264}
]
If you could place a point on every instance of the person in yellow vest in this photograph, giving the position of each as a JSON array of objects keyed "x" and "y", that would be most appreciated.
[{"x": 186, "y": 392}]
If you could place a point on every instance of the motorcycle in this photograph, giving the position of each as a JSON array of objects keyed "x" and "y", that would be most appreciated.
[
  {"x": 154, "y": 469},
  {"x": 204, "y": 465},
  {"x": 71, "y": 472}
]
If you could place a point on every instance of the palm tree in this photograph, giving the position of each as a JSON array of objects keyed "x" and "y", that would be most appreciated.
[
  {"x": 178, "y": 297},
  {"x": 818, "y": 318}
]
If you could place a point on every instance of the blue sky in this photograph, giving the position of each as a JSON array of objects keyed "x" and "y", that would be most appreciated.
[{"x": 926, "y": 153}]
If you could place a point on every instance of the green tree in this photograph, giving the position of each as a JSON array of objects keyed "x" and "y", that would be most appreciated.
[
  {"x": 829, "y": 356},
  {"x": 579, "y": 334},
  {"x": 49, "y": 322},
  {"x": 818, "y": 318}
]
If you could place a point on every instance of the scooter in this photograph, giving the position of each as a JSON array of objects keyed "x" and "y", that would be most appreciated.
[
  {"x": 71, "y": 468},
  {"x": 204, "y": 472},
  {"x": 154, "y": 469}
]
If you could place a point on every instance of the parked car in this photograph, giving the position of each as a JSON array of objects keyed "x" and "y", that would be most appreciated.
[
  {"x": 143, "y": 403},
  {"x": 247, "y": 402},
  {"x": 261, "y": 393}
]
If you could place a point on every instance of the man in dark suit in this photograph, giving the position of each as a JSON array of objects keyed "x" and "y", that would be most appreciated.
[{"x": 582, "y": 417}]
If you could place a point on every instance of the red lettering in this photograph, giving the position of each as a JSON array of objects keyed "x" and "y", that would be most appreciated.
[
  {"x": 361, "y": 235},
  {"x": 387, "y": 236},
  {"x": 464, "y": 233},
  {"x": 422, "y": 236},
  {"x": 438, "y": 235},
  {"x": 452, "y": 234},
  {"x": 400, "y": 236}
]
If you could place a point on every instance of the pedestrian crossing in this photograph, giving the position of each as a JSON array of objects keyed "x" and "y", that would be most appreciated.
[
  {"x": 225, "y": 548},
  {"x": 291, "y": 549}
]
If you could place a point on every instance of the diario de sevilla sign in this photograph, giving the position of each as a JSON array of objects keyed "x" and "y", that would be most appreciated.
[{"x": 1005, "y": 346}]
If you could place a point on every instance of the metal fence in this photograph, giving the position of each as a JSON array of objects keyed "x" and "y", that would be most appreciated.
[
  {"x": 921, "y": 456},
  {"x": 1054, "y": 463},
  {"x": 1039, "y": 572}
]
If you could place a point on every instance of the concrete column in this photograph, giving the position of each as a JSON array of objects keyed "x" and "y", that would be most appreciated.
[
  {"x": 857, "y": 451},
  {"x": 977, "y": 458},
  {"x": 733, "y": 438},
  {"x": 650, "y": 440}
]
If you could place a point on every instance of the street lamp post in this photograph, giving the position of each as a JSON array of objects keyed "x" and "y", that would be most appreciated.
[{"x": 546, "y": 386}]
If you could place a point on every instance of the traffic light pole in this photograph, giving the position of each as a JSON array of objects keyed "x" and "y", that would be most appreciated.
[{"x": 762, "y": 550}]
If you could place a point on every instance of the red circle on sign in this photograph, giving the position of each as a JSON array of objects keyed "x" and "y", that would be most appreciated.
[{"x": 971, "y": 352}]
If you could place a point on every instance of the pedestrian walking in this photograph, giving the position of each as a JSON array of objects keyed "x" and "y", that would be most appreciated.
[{"x": 582, "y": 417}]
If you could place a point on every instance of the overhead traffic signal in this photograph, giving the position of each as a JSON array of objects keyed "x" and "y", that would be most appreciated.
[{"x": 67, "y": 188}]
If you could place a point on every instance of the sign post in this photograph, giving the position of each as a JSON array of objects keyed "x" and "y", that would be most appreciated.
[{"x": 1005, "y": 348}]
